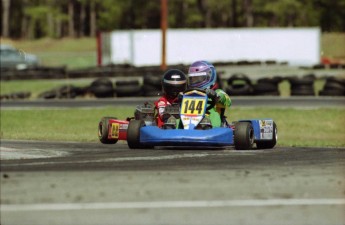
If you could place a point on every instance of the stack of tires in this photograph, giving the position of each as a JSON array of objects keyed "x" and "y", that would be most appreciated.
[
  {"x": 16, "y": 95},
  {"x": 303, "y": 86},
  {"x": 64, "y": 92},
  {"x": 333, "y": 87},
  {"x": 152, "y": 85},
  {"x": 128, "y": 88},
  {"x": 267, "y": 86},
  {"x": 239, "y": 85},
  {"x": 102, "y": 88}
]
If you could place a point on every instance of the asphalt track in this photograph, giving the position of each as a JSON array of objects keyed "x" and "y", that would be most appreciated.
[{"x": 91, "y": 183}]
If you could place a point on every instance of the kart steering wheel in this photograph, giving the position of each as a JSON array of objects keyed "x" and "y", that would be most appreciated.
[{"x": 211, "y": 98}]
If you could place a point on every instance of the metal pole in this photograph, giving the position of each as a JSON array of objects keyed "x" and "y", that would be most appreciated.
[
  {"x": 99, "y": 48},
  {"x": 164, "y": 12}
]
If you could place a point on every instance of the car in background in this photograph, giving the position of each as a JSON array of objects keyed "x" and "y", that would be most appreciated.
[{"x": 12, "y": 58}]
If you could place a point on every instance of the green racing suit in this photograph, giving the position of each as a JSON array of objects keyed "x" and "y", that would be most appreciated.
[{"x": 217, "y": 112}]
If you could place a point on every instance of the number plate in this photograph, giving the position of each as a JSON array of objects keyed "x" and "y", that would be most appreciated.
[
  {"x": 193, "y": 106},
  {"x": 115, "y": 130}
]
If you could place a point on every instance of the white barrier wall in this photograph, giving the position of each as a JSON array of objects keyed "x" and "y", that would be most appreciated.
[{"x": 297, "y": 46}]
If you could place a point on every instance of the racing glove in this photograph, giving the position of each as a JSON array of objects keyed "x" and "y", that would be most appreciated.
[
  {"x": 212, "y": 94},
  {"x": 179, "y": 97},
  {"x": 165, "y": 116}
]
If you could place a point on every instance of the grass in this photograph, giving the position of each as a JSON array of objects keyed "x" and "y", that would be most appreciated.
[{"x": 296, "y": 127}]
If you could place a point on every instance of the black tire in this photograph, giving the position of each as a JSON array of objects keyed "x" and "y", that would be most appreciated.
[
  {"x": 48, "y": 95},
  {"x": 149, "y": 88},
  {"x": 103, "y": 128},
  {"x": 67, "y": 91},
  {"x": 239, "y": 84},
  {"x": 302, "y": 86},
  {"x": 302, "y": 82},
  {"x": 133, "y": 134},
  {"x": 151, "y": 91},
  {"x": 102, "y": 88},
  {"x": 102, "y": 91},
  {"x": 102, "y": 82},
  {"x": 20, "y": 95},
  {"x": 332, "y": 92},
  {"x": 153, "y": 80},
  {"x": 271, "y": 143},
  {"x": 128, "y": 91},
  {"x": 303, "y": 92},
  {"x": 268, "y": 93},
  {"x": 239, "y": 90},
  {"x": 336, "y": 80},
  {"x": 331, "y": 85},
  {"x": 275, "y": 80},
  {"x": 262, "y": 88},
  {"x": 244, "y": 136},
  {"x": 126, "y": 82},
  {"x": 219, "y": 80},
  {"x": 310, "y": 76},
  {"x": 239, "y": 76}
]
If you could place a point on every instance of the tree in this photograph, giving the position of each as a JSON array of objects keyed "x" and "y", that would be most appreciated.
[
  {"x": 77, "y": 18},
  {"x": 71, "y": 29},
  {"x": 5, "y": 18}
]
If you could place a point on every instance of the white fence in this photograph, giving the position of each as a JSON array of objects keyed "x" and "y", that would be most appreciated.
[{"x": 296, "y": 46}]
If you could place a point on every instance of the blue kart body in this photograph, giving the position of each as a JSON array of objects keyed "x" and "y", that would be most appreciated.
[
  {"x": 152, "y": 135},
  {"x": 218, "y": 136}
]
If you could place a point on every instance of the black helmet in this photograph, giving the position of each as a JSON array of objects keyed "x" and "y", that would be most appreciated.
[{"x": 174, "y": 81}]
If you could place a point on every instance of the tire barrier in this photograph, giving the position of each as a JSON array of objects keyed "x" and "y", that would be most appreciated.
[
  {"x": 219, "y": 79},
  {"x": 128, "y": 88},
  {"x": 64, "y": 92},
  {"x": 239, "y": 84},
  {"x": 34, "y": 73},
  {"x": 152, "y": 85},
  {"x": 267, "y": 86},
  {"x": 16, "y": 95},
  {"x": 102, "y": 88},
  {"x": 303, "y": 86},
  {"x": 333, "y": 87}
]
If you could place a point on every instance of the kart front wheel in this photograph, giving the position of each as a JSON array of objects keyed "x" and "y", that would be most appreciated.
[
  {"x": 133, "y": 134},
  {"x": 244, "y": 136},
  {"x": 103, "y": 131},
  {"x": 270, "y": 143}
]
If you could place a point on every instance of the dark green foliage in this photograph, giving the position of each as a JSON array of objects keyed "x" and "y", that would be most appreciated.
[{"x": 76, "y": 18}]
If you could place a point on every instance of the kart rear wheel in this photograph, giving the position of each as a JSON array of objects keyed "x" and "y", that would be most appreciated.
[
  {"x": 270, "y": 143},
  {"x": 103, "y": 129},
  {"x": 244, "y": 136},
  {"x": 133, "y": 134}
]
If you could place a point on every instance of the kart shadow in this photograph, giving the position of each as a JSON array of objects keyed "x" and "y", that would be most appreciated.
[{"x": 192, "y": 148}]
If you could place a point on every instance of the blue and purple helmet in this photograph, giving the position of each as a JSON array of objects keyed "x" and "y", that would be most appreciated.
[{"x": 202, "y": 74}]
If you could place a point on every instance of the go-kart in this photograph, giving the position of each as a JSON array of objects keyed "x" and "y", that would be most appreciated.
[{"x": 190, "y": 124}]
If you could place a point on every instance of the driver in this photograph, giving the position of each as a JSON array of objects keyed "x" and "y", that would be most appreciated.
[
  {"x": 202, "y": 74},
  {"x": 174, "y": 81}
]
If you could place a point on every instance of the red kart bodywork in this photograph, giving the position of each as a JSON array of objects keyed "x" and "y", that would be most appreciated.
[{"x": 117, "y": 129}]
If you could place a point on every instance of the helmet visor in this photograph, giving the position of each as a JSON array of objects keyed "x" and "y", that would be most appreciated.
[{"x": 197, "y": 79}]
